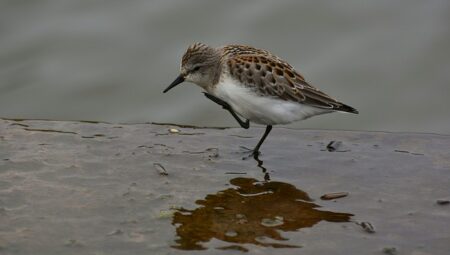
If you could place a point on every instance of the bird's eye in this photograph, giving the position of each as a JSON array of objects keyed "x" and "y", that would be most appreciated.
[{"x": 197, "y": 68}]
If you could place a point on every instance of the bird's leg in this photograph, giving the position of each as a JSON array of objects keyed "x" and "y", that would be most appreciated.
[
  {"x": 255, "y": 152},
  {"x": 227, "y": 107},
  {"x": 243, "y": 124},
  {"x": 266, "y": 133}
]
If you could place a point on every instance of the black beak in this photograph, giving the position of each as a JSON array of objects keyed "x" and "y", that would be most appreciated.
[{"x": 177, "y": 81}]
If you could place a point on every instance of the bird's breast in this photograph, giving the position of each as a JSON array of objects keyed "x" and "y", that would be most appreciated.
[{"x": 267, "y": 110}]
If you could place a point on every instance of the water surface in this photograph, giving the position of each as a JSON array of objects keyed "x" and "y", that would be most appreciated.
[{"x": 110, "y": 60}]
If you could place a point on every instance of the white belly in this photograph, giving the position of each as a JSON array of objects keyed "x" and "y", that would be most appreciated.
[{"x": 260, "y": 109}]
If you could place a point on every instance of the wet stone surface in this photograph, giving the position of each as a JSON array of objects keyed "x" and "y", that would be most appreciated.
[{"x": 96, "y": 188}]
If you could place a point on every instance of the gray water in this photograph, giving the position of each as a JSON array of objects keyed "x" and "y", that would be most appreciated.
[{"x": 110, "y": 60}]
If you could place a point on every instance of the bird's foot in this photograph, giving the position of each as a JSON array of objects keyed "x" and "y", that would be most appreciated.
[{"x": 250, "y": 153}]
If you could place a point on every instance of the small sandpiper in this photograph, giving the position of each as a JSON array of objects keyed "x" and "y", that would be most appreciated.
[{"x": 254, "y": 84}]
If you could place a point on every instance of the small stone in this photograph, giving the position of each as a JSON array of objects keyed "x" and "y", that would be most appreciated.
[
  {"x": 115, "y": 232},
  {"x": 330, "y": 196},
  {"x": 333, "y": 145},
  {"x": 390, "y": 250},
  {"x": 174, "y": 130},
  {"x": 443, "y": 201},
  {"x": 160, "y": 168},
  {"x": 367, "y": 227},
  {"x": 213, "y": 152}
]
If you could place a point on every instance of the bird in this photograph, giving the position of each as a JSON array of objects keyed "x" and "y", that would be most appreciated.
[{"x": 254, "y": 84}]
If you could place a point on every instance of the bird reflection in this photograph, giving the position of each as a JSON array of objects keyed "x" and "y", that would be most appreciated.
[
  {"x": 260, "y": 164},
  {"x": 253, "y": 212}
]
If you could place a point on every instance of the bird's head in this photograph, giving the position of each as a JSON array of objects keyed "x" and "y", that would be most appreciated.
[{"x": 200, "y": 64}]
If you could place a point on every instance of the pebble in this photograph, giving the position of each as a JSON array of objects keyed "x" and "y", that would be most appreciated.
[
  {"x": 161, "y": 169},
  {"x": 367, "y": 227},
  {"x": 333, "y": 145},
  {"x": 390, "y": 250},
  {"x": 115, "y": 232},
  {"x": 443, "y": 201},
  {"x": 330, "y": 196}
]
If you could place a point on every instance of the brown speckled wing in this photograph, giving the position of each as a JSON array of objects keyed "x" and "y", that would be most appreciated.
[{"x": 271, "y": 76}]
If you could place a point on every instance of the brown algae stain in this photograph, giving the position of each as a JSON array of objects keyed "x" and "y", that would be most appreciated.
[{"x": 252, "y": 213}]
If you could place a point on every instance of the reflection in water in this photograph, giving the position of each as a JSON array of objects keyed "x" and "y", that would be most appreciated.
[
  {"x": 264, "y": 170},
  {"x": 253, "y": 213},
  {"x": 259, "y": 162}
]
